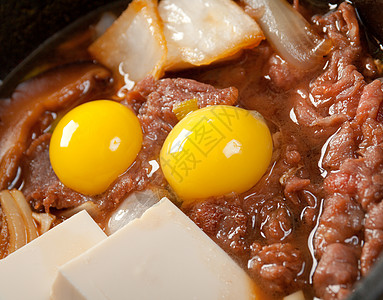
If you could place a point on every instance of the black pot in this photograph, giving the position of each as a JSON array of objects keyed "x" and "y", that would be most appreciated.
[
  {"x": 25, "y": 24},
  {"x": 38, "y": 28}
]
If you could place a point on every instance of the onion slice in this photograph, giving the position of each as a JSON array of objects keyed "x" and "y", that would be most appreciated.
[
  {"x": 92, "y": 209},
  {"x": 44, "y": 220},
  {"x": 289, "y": 33},
  {"x": 18, "y": 215},
  {"x": 15, "y": 222},
  {"x": 131, "y": 208},
  {"x": 26, "y": 213}
]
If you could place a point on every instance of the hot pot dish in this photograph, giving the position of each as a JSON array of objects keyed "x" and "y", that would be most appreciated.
[{"x": 261, "y": 121}]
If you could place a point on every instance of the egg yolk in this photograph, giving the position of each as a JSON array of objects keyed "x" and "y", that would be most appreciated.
[
  {"x": 93, "y": 144},
  {"x": 215, "y": 151}
]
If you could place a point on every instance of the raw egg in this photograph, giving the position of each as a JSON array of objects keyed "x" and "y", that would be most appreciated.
[
  {"x": 215, "y": 151},
  {"x": 93, "y": 144}
]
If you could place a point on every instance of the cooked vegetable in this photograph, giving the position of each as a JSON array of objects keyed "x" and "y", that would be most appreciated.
[
  {"x": 200, "y": 32},
  {"x": 289, "y": 33},
  {"x": 15, "y": 222},
  {"x": 131, "y": 208},
  {"x": 181, "y": 109},
  {"x": 18, "y": 215},
  {"x": 26, "y": 213},
  {"x": 92, "y": 209},
  {"x": 44, "y": 221},
  {"x": 147, "y": 39},
  {"x": 135, "y": 43}
]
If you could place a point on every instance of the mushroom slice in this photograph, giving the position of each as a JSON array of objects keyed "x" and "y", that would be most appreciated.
[
  {"x": 135, "y": 44},
  {"x": 202, "y": 31}
]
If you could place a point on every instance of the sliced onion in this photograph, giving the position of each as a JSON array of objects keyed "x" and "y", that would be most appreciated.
[
  {"x": 199, "y": 32},
  {"x": 45, "y": 221},
  {"x": 131, "y": 208},
  {"x": 26, "y": 213},
  {"x": 16, "y": 226},
  {"x": 135, "y": 40},
  {"x": 92, "y": 209},
  {"x": 289, "y": 33}
]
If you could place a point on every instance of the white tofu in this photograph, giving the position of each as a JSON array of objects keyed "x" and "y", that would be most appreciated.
[
  {"x": 29, "y": 272},
  {"x": 162, "y": 255}
]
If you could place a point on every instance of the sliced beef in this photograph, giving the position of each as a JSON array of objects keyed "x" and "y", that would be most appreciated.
[
  {"x": 338, "y": 89},
  {"x": 283, "y": 76},
  {"x": 293, "y": 185},
  {"x": 355, "y": 188},
  {"x": 276, "y": 221},
  {"x": 341, "y": 222},
  {"x": 360, "y": 178},
  {"x": 353, "y": 157},
  {"x": 336, "y": 272},
  {"x": 225, "y": 221},
  {"x": 340, "y": 147},
  {"x": 370, "y": 101},
  {"x": 278, "y": 265},
  {"x": 373, "y": 237},
  {"x": 372, "y": 132}
]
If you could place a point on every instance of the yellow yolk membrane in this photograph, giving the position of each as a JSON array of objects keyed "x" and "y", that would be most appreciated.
[
  {"x": 215, "y": 151},
  {"x": 93, "y": 144}
]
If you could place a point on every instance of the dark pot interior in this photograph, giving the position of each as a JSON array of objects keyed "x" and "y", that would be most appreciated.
[{"x": 26, "y": 24}]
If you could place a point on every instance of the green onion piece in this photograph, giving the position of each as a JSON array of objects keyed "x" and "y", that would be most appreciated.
[{"x": 181, "y": 109}]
